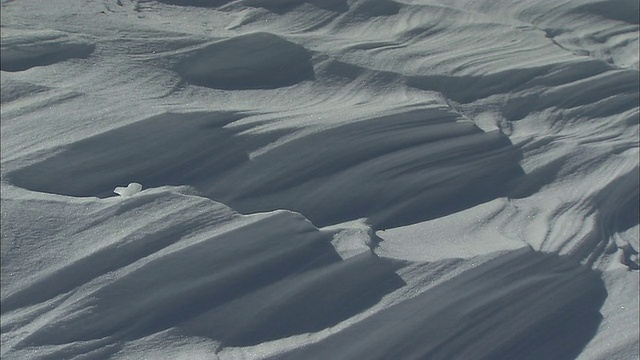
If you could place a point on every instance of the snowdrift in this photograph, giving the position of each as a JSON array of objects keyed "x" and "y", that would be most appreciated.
[{"x": 306, "y": 179}]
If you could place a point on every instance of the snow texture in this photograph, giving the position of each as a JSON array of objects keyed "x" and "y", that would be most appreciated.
[{"x": 323, "y": 179}]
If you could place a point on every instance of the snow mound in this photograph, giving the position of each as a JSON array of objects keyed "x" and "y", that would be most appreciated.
[
  {"x": 252, "y": 61},
  {"x": 461, "y": 235},
  {"x": 208, "y": 271},
  {"x": 521, "y": 305},
  {"x": 22, "y": 50}
]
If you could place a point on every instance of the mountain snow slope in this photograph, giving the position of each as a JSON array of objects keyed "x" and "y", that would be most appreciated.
[{"x": 339, "y": 179}]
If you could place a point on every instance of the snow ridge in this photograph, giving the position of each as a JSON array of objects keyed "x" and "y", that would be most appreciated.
[{"x": 344, "y": 179}]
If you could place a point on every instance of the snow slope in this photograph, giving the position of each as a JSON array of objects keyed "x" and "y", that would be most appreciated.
[{"x": 339, "y": 179}]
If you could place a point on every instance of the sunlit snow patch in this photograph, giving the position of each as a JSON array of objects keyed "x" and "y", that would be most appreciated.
[{"x": 131, "y": 189}]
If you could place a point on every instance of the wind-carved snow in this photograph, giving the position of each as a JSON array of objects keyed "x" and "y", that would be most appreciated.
[
  {"x": 323, "y": 179},
  {"x": 22, "y": 50},
  {"x": 425, "y": 160},
  {"x": 202, "y": 265}
]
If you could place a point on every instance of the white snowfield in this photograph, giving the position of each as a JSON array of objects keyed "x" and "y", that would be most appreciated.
[{"x": 320, "y": 179}]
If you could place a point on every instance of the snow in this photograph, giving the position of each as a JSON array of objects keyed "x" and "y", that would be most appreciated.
[
  {"x": 251, "y": 61},
  {"x": 339, "y": 179},
  {"x": 22, "y": 50},
  {"x": 131, "y": 189}
]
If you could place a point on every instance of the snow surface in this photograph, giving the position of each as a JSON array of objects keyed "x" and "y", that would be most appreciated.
[{"x": 320, "y": 179}]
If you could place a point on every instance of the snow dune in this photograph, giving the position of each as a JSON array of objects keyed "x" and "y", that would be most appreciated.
[
  {"x": 22, "y": 50},
  {"x": 343, "y": 179},
  {"x": 246, "y": 62},
  {"x": 424, "y": 159},
  {"x": 519, "y": 305}
]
